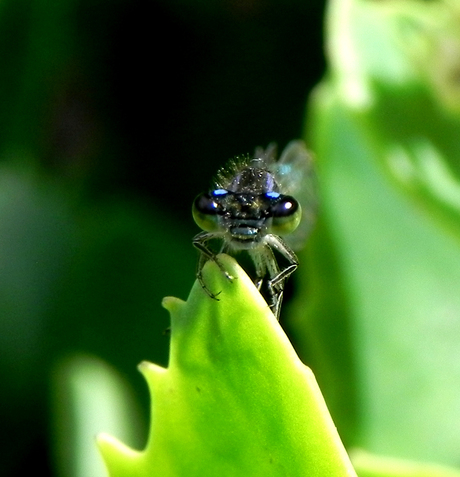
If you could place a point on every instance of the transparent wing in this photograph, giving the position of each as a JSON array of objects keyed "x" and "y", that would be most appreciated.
[
  {"x": 268, "y": 155},
  {"x": 295, "y": 174}
]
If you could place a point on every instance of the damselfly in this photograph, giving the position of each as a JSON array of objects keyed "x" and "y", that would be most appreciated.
[{"x": 255, "y": 202}]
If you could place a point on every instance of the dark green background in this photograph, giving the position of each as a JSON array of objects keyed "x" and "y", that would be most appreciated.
[{"x": 113, "y": 116}]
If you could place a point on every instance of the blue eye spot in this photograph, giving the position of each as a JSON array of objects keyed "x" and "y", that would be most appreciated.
[
  {"x": 219, "y": 192},
  {"x": 272, "y": 195}
]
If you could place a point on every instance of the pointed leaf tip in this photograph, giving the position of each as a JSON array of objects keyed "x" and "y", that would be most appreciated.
[{"x": 235, "y": 398}]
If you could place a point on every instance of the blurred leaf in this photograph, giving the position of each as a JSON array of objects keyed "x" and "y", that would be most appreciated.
[
  {"x": 70, "y": 270},
  {"x": 396, "y": 65},
  {"x": 36, "y": 235},
  {"x": 397, "y": 272},
  {"x": 89, "y": 396},
  {"x": 369, "y": 465},
  {"x": 235, "y": 398}
]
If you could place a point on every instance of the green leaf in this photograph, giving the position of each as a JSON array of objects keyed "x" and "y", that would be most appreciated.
[
  {"x": 397, "y": 270},
  {"x": 369, "y": 465},
  {"x": 89, "y": 395},
  {"x": 235, "y": 399},
  {"x": 395, "y": 65}
]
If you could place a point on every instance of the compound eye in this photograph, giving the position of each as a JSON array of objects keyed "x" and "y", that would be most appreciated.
[
  {"x": 286, "y": 213},
  {"x": 285, "y": 206},
  {"x": 206, "y": 210}
]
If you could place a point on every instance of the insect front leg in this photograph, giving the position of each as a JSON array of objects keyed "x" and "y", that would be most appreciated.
[
  {"x": 266, "y": 268},
  {"x": 200, "y": 243},
  {"x": 278, "y": 276}
]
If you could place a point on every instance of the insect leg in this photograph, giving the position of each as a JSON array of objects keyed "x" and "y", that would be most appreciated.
[
  {"x": 266, "y": 269},
  {"x": 280, "y": 246},
  {"x": 278, "y": 276},
  {"x": 260, "y": 264},
  {"x": 200, "y": 243}
]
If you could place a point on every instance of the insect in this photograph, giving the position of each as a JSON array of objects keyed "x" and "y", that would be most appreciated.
[{"x": 255, "y": 203}]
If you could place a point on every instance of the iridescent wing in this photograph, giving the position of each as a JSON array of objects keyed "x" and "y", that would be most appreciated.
[
  {"x": 295, "y": 174},
  {"x": 268, "y": 155}
]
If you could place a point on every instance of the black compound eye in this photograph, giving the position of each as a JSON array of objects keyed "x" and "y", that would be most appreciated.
[
  {"x": 207, "y": 210},
  {"x": 206, "y": 204},
  {"x": 285, "y": 206},
  {"x": 286, "y": 214}
]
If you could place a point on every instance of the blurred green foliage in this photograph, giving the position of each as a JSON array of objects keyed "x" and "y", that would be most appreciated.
[
  {"x": 381, "y": 307},
  {"x": 113, "y": 116}
]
